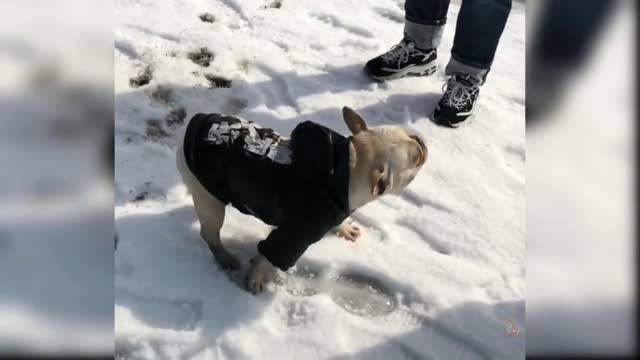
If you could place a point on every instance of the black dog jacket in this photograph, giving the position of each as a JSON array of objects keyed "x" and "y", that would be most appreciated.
[{"x": 300, "y": 185}]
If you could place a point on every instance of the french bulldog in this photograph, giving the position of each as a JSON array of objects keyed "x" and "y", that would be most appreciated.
[{"x": 305, "y": 186}]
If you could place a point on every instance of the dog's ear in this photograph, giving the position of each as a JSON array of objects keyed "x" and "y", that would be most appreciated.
[{"x": 354, "y": 121}]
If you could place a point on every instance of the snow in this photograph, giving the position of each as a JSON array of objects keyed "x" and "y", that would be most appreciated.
[{"x": 439, "y": 270}]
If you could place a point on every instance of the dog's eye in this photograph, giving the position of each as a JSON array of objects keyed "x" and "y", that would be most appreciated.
[{"x": 381, "y": 186}]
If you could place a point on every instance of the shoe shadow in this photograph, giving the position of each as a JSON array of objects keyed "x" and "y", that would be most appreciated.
[
  {"x": 472, "y": 330},
  {"x": 170, "y": 294}
]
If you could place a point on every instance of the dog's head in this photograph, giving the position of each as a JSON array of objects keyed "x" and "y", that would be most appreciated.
[{"x": 385, "y": 159}]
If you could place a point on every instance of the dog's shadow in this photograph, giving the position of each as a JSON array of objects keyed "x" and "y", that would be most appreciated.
[{"x": 166, "y": 278}]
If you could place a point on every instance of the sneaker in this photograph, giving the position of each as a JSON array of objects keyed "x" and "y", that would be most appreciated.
[
  {"x": 457, "y": 103},
  {"x": 401, "y": 60}
]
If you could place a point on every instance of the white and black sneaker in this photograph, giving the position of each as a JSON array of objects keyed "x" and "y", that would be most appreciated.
[
  {"x": 401, "y": 60},
  {"x": 457, "y": 103}
]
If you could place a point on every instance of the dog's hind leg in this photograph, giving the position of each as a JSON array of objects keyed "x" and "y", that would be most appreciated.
[{"x": 210, "y": 212}]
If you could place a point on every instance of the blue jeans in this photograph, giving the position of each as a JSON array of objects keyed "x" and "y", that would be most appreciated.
[{"x": 478, "y": 30}]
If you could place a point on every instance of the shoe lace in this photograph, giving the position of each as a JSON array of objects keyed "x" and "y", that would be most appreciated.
[
  {"x": 400, "y": 52},
  {"x": 458, "y": 91}
]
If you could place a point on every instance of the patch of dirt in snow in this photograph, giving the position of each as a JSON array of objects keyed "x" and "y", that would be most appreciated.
[
  {"x": 207, "y": 17},
  {"x": 162, "y": 94},
  {"x": 155, "y": 131},
  {"x": 277, "y": 4},
  {"x": 143, "y": 78},
  {"x": 175, "y": 117},
  {"x": 216, "y": 81},
  {"x": 202, "y": 56}
]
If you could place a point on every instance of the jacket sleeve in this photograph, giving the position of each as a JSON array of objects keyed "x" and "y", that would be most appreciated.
[{"x": 286, "y": 244}]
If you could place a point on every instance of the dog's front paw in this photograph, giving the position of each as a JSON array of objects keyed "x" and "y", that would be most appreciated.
[
  {"x": 260, "y": 274},
  {"x": 348, "y": 231}
]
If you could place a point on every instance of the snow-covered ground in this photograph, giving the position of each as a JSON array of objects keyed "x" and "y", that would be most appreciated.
[{"x": 439, "y": 272}]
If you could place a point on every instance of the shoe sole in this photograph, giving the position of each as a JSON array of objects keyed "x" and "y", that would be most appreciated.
[
  {"x": 418, "y": 70},
  {"x": 468, "y": 120},
  {"x": 462, "y": 123}
]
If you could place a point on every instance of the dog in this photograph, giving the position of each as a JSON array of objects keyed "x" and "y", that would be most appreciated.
[{"x": 305, "y": 186}]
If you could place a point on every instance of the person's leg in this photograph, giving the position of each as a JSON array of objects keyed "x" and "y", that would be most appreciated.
[
  {"x": 424, "y": 21},
  {"x": 478, "y": 29},
  {"x": 416, "y": 54}
]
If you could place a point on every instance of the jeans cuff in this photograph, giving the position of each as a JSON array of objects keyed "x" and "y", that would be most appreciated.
[
  {"x": 424, "y": 36},
  {"x": 454, "y": 66}
]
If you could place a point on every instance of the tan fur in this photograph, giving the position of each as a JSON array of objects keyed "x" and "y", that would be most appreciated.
[
  {"x": 210, "y": 212},
  {"x": 382, "y": 160},
  {"x": 390, "y": 154}
]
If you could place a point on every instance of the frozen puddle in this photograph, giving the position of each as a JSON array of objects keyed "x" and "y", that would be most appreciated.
[
  {"x": 358, "y": 294},
  {"x": 303, "y": 280},
  {"x": 362, "y": 295}
]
